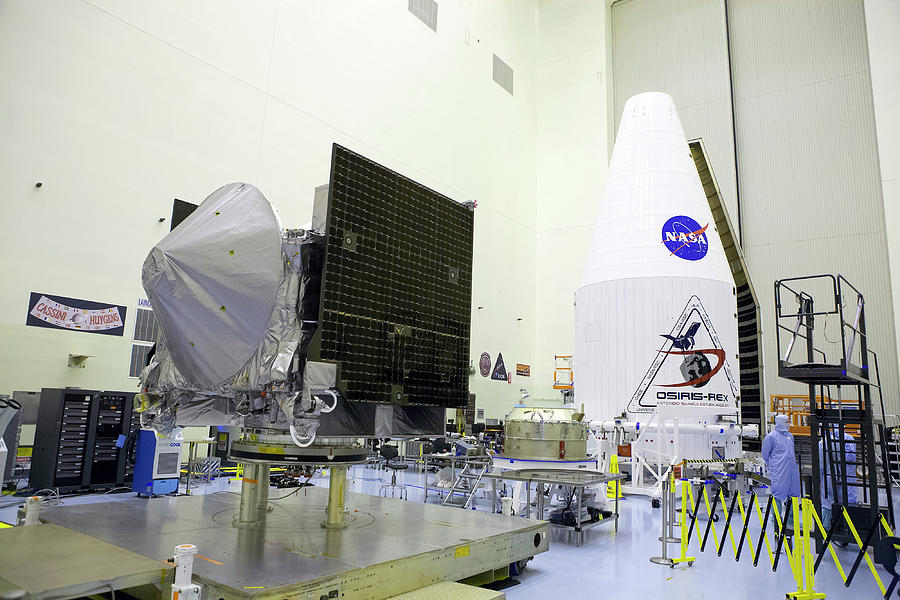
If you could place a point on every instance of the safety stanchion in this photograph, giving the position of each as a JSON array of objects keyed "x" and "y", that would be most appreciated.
[
  {"x": 614, "y": 488},
  {"x": 670, "y": 514},
  {"x": 696, "y": 510},
  {"x": 862, "y": 552},
  {"x": 685, "y": 533},
  {"x": 665, "y": 499},
  {"x": 727, "y": 529},
  {"x": 711, "y": 512},
  {"x": 803, "y": 570},
  {"x": 781, "y": 533},
  {"x": 798, "y": 545},
  {"x": 745, "y": 518}
]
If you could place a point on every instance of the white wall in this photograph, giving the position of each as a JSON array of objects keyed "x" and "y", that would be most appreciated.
[
  {"x": 680, "y": 48},
  {"x": 572, "y": 160},
  {"x": 883, "y": 27},
  {"x": 120, "y": 106},
  {"x": 808, "y": 163}
]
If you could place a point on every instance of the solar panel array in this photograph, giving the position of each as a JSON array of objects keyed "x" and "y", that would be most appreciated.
[{"x": 396, "y": 287}]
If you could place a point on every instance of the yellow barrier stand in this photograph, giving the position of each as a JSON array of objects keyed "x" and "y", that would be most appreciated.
[
  {"x": 684, "y": 528},
  {"x": 868, "y": 559},
  {"x": 765, "y": 536},
  {"x": 730, "y": 530},
  {"x": 614, "y": 489},
  {"x": 803, "y": 558},
  {"x": 744, "y": 517},
  {"x": 834, "y": 555},
  {"x": 709, "y": 512},
  {"x": 787, "y": 551},
  {"x": 691, "y": 497},
  {"x": 797, "y": 563}
]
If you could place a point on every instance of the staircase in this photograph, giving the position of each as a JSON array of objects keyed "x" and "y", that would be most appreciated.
[{"x": 463, "y": 491}]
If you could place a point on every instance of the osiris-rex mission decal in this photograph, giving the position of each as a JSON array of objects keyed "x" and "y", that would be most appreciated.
[{"x": 690, "y": 357}]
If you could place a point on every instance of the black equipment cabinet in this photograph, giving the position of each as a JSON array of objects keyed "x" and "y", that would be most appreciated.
[{"x": 76, "y": 439}]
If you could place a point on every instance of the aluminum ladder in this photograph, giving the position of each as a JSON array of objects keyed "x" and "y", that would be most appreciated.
[{"x": 466, "y": 484}]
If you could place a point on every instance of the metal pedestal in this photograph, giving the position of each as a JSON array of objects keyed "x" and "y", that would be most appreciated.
[
  {"x": 254, "y": 496},
  {"x": 666, "y": 499},
  {"x": 337, "y": 483}
]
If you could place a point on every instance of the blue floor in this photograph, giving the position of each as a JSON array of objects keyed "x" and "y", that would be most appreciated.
[{"x": 608, "y": 564}]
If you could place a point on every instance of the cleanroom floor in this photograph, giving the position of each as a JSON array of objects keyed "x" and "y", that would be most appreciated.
[{"x": 608, "y": 564}]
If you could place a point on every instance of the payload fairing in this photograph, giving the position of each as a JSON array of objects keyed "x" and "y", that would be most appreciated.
[{"x": 655, "y": 316}]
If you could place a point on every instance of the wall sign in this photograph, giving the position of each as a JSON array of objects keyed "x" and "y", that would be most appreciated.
[
  {"x": 500, "y": 370},
  {"x": 523, "y": 370},
  {"x": 484, "y": 364},
  {"x": 59, "y": 312}
]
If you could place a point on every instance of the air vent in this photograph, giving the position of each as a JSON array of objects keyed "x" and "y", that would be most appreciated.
[
  {"x": 503, "y": 74},
  {"x": 425, "y": 11}
]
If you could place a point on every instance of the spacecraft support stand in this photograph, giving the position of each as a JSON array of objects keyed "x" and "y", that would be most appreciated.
[
  {"x": 254, "y": 495},
  {"x": 337, "y": 483}
]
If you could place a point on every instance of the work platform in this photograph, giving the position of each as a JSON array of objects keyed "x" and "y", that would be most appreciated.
[{"x": 390, "y": 547}]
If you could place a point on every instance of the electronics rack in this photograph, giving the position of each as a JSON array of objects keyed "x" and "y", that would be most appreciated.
[{"x": 76, "y": 444}]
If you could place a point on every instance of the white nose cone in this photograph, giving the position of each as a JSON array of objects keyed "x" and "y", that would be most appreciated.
[{"x": 655, "y": 316}]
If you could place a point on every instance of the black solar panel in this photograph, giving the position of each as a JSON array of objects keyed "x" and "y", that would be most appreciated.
[{"x": 396, "y": 287}]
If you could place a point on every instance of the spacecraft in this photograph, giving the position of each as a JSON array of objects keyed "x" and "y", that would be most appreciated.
[
  {"x": 655, "y": 315},
  {"x": 311, "y": 339}
]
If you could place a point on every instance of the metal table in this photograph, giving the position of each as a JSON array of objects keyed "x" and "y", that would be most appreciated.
[
  {"x": 577, "y": 478},
  {"x": 192, "y": 460},
  {"x": 49, "y": 561},
  {"x": 453, "y": 460},
  {"x": 390, "y": 547}
]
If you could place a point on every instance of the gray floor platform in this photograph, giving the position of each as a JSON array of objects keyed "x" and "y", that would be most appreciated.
[
  {"x": 390, "y": 547},
  {"x": 48, "y": 561}
]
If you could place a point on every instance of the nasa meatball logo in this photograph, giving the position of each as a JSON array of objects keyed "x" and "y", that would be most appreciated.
[
  {"x": 685, "y": 238},
  {"x": 690, "y": 357}
]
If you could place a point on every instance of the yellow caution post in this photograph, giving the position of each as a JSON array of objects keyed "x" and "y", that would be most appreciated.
[
  {"x": 802, "y": 565},
  {"x": 614, "y": 489}
]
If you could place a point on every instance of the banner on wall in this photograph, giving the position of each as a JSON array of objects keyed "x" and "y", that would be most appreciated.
[{"x": 59, "y": 312}]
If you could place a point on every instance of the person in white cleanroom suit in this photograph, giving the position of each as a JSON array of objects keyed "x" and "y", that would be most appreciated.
[
  {"x": 829, "y": 495},
  {"x": 778, "y": 452}
]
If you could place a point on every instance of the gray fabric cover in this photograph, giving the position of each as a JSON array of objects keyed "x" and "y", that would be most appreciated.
[{"x": 219, "y": 271}]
